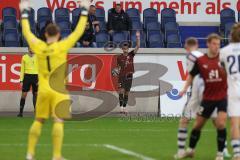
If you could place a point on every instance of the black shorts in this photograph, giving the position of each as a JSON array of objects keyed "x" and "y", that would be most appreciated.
[
  {"x": 125, "y": 82},
  {"x": 30, "y": 80},
  {"x": 208, "y": 107}
]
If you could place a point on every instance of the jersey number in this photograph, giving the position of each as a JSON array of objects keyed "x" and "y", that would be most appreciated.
[
  {"x": 232, "y": 60},
  {"x": 214, "y": 74}
]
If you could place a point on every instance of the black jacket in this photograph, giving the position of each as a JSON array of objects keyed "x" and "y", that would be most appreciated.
[
  {"x": 88, "y": 36},
  {"x": 119, "y": 21}
]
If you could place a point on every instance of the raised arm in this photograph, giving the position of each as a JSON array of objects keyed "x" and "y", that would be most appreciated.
[
  {"x": 138, "y": 42},
  {"x": 71, "y": 40},
  {"x": 31, "y": 39}
]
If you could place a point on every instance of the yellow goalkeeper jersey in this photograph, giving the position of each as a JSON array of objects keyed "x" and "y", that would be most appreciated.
[{"x": 28, "y": 65}]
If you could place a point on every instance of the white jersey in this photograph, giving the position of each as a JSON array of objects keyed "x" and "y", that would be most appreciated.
[
  {"x": 192, "y": 58},
  {"x": 230, "y": 58}
]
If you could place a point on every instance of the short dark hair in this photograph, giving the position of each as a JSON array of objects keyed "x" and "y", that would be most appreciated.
[
  {"x": 92, "y": 6},
  {"x": 52, "y": 30},
  {"x": 212, "y": 37},
  {"x": 235, "y": 33},
  {"x": 191, "y": 41},
  {"x": 125, "y": 44}
]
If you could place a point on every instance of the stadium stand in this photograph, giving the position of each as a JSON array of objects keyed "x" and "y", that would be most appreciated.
[{"x": 166, "y": 33}]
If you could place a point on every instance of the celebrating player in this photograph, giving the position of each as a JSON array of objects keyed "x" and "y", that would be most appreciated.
[
  {"x": 214, "y": 95},
  {"x": 28, "y": 79},
  {"x": 126, "y": 69},
  {"x": 230, "y": 58},
  {"x": 193, "y": 104},
  {"x": 52, "y": 58}
]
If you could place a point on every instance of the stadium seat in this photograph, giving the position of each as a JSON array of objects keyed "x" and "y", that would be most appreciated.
[
  {"x": 149, "y": 15},
  {"x": 119, "y": 37},
  {"x": 226, "y": 16},
  {"x": 9, "y": 11},
  {"x": 32, "y": 16},
  {"x": 102, "y": 25},
  {"x": 101, "y": 39},
  {"x": 173, "y": 38},
  {"x": 152, "y": 32},
  {"x": 63, "y": 25},
  {"x": 171, "y": 28},
  {"x": 62, "y": 14},
  {"x": 75, "y": 17},
  {"x": 136, "y": 25},
  {"x": 11, "y": 38},
  {"x": 155, "y": 41},
  {"x": 1, "y": 38},
  {"x": 174, "y": 45},
  {"x": 153, "y": 26},
  {"x": 142, "y": 39},
  {"x": 24, "y": 42},
  {"x": 44, "y": 14},
  {"x": 134, "y": 14},
  {"x": 227, "y": 31},
  {"x": 167, "y": 15},
  {"x": 10, "y": 22},
  {"x": 100, "y": 14},
  {"x": 65, "y": 33}
]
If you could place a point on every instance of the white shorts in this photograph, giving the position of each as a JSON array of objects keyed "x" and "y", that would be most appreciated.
[
  {"x": 233, "y": 107},
  {"x": 192, "y": 106}
]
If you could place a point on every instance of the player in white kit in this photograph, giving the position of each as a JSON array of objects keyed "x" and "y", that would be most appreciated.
[
  {"x": 193, "y": 104},
  {"x": 230, "y": 59}
]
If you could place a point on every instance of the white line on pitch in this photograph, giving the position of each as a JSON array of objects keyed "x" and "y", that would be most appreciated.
[{"x": 128, "y": 152}]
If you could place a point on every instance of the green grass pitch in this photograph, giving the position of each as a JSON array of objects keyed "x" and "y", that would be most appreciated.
[{"x": 90, "y": 140}]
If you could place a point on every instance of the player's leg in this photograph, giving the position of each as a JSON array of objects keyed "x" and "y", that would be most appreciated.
[
  {"x": 34, "y": 133},
  {"x": 226, "y": 153},
  {"x": 221, "y": 127},
  {"x": 121, "y": 93},
  {"x": 42, "y": 113},
  {"x": 25, "y": 88},
  {"x": 57, "y": 138},
  {"x": 235, "y": 137},
  {"x": 189, "y": 111},
  {"x": 127, "y": 87},
  {"x": 234, "y": 114},
  {"x": 60, "y": 110}
]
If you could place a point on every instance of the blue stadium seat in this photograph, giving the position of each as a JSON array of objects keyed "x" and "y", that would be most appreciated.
[
  {"x": 152, "y": 32},
  {"x": 65, "y": 33},
  {"x": 174, "y": 45},
  {"x": 9, "y": 11},
  {"x": 155, "y": 41},
  {"x": 134, "y": 14},
  {"x": 62, "y": 14},
  {"x": 226, "y": 16},
  {"x": 102, "y": 25},
  {"x": 24, "y": 42},
  {"x": 44, "y": 14},
  {"x": 119, "y": 37},
  {"x": 167, "y": 15},
  {"x": 11, "y": 38},
  {"x": 100, "y": 14},
  {"x": 101, "y": 39},
  {"x": 142, "y": 39},
  {"x": 171, "y": 28},
  {"x": 32, "y": 16},
  {"x": 153, "y": 26},
  {"x": 75, "y": 16},
  {"x": 227, "y": 30},
  {"x": 173, "y": 38},
  {"x": 10, "y": 23},
  {"x": 1, "y": 38},
  {"x": 63, "y": 25},
  {"x": 149, "y": 15},
  {"x": 136, "y": 25}
]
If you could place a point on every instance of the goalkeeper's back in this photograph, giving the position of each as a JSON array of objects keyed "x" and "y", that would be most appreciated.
[{"x": 52, "y": 55}]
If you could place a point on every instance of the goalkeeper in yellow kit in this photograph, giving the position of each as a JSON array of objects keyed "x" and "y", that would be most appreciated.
[{"x": 52, "y": 58}]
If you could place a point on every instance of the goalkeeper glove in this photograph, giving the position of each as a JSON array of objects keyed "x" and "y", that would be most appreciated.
[{"x": 24, "y": 7}]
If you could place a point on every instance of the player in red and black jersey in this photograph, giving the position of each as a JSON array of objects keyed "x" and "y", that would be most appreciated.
[
  {"x": 125, "y": 63},
  {"x": 214, "y": 95}
]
